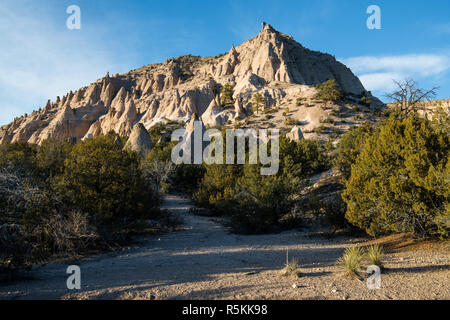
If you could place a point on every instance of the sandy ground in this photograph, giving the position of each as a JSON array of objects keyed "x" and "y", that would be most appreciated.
[{"x": 205, "y": 261}]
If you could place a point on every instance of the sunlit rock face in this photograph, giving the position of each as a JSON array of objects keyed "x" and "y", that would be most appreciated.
[{"x": 271, "y": 63}]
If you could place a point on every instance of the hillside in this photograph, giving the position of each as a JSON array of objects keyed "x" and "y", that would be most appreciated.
[{"x": 271, "y": 63}]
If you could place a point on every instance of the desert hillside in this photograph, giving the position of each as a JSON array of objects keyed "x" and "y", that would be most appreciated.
[
  {"x": 356, "y": 206},
  {"x": 272, "y": 64}
]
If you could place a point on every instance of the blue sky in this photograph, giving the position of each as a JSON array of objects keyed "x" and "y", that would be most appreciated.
[{"x": 40, "y": 58}]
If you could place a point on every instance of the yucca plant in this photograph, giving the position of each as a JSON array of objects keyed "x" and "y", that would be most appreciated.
[
  {"x": 375, "y": 254},
  {"x": 290, "y": 267},
  {"x": 351, "y": 260}
]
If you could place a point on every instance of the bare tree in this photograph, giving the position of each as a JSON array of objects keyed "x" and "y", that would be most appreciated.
[
  {"x": 408, "y": 97},
  {"x": 158, "y": 172},
  {"x": 16, "y": 196}
]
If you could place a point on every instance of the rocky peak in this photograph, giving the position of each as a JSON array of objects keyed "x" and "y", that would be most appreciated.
[{"x": 271, "y": 63}]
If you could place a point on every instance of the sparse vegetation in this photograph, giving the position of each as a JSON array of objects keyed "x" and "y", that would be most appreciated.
[
  {"x": 365, "y": 101},
  {"x": 299, "y": 101},
  {"x": 289, "y": 121},
  {"x": 329, "y": 91}
]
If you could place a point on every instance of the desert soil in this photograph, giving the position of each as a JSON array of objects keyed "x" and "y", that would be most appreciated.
[{"x": 205, "y": 261}]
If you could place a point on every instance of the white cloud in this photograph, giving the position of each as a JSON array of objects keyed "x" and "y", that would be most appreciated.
[
  {"x": 377, "y": 73},
  {"x": 381, "y": 81},
  {"x": 423, "y": 64}
]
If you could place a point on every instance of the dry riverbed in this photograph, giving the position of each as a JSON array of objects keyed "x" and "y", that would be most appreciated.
[{"x": 205, "y": 261}]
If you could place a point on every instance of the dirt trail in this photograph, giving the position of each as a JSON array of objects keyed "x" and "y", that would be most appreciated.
[{"x": 205, "y": 261}]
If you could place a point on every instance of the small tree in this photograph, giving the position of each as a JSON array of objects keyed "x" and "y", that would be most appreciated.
[
  {"x": 399, "y": 182},
  {"x": 51, "y": 156},
  {"x": 18, "y": 155},
  {"x": 157, "y": 172},
  {"x": 257, "y": 102},
  {"x": 104, "y": 181},
  {"x": 226, "y": 94},
  {"x": 329, "y": 91},
  {"x": 408, "y": 96}
]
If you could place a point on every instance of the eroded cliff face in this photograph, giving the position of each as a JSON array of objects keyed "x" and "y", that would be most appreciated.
[{"x": 271, "y": 63}]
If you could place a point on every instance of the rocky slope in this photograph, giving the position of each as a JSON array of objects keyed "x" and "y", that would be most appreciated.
[{"x": 271, "y": 63}]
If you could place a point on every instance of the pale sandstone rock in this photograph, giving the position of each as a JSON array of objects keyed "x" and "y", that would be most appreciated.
[
  {"x": 139, "y": 140},
  {"x": 271, "y": 63},
  {"x": 295, "y": 134}
]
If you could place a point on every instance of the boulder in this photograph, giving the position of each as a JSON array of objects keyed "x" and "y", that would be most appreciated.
[
  {"x": 295, "y": 134},
  {"x": 139, "y": 140}
]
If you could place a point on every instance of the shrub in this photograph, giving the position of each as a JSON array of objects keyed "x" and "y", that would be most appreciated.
[
  {"x": 217, "y": 187},
  {"x": 13, "y": 247},
  {"x": 336, "y": 131},
  {"x": 332, "y": 213},
  {"x": 51, "y": 156},
  {"x": 258, "y": 203},
  {"x": 64, "y": 234},
  {"x": 104, "y": 181},
  {"x": 349, "y": 147},
  {"x": 302, "y": 159},
  {"x": 365, "y": 101},
  {"x": 157, "y": 171},
  {"x": 22, "y": 201},
  {"x": 262, "y": 200},
  {"x": 329, "y": 91},
  {"x": 226, "y": 94},
  {"x": 329, "y": 146},
  {"x": 20, "y": 156},
  {"x": 399, "y": 180},
  {"x": 327, "y": 120},
  {"x": 290, "y": 122},
  {"x": 186, "y": 177},
  {"x": 320, "y": 129}
]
